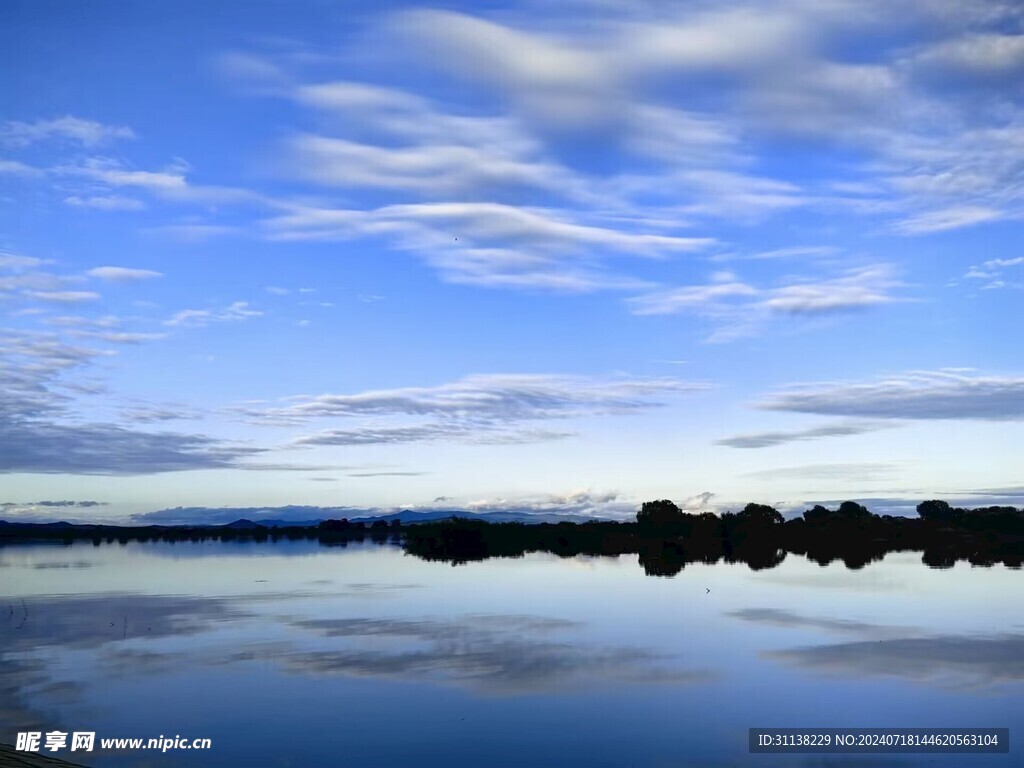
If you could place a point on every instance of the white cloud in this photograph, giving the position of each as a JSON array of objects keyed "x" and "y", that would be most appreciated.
[
  {"x": 564, "y": 86},
  {"x": 150, "y": 180},
  {"x": 106, "y": 202},
  {"x": 88, "y": 133},
  {"x": 75, "y": 321},
  {"x": 394, "y": 115},
  {"x": 435, "y": 170},
  {"x": 193, "y": 233},
  {"x": 16, "y": 168},
  {"x": 64, "y": 297},
  {"x": 860, "y": 288},
  {"x": 751, "y": 73},
  {"x": 121, "y": 337},
  {"x": 254, "y": 71},
  {"x": 739, "y": 309},
  {"x": 944, "y": 219},
  {"x": 239, "y": 310},
  {"x": 122, "y": 274},
  {"x": 490, "y": 243},
  {"x": 13, "y": 261},
  {"x": 691, "y": 297},
  {"x": 860, "y": 472},
  {"x": 729, "y": 194},
  {"x": 984, "y": 55},
  {"x": 106, "y": 328},
  {"x": 20, "y": 277},
  {"x": 792, "y": 252},
  {"x": 993, "y": 272}
]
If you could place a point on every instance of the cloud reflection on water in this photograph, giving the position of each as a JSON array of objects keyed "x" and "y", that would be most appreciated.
[
  {"x": 961, "y": 662},
  {"x": 968, "y": 662},
  {"x": 130, "y": 636},
  {"x": 491, "y": 654}
]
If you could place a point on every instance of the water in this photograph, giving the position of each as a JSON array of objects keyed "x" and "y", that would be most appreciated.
[{"x": 299, "y": 654}]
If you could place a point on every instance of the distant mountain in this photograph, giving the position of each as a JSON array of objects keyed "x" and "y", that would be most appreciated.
[
  {"x": 406, "y": 517},
  {"x": 410, "y": 517},
  {"x": 274, "y": 523}
]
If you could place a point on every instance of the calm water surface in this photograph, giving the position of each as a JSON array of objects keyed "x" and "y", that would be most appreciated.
[{"x": 299, "y": 654}]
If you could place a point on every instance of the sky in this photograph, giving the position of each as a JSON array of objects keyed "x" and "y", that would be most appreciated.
[{"x": 538, "y": 256}]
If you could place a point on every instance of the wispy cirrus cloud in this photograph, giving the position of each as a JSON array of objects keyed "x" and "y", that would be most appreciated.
[
  {"x": 490, "y": 654},
  {"x": 105, "y": 202},
  {"x": 843, "y": 471},
  {"x": 492, "y": 244},
  {"x": 64, "y": 297},
  {"x": 788, "y": 619},
  {"x": 738, "y": 308},
  {"x": 482, "y": 409},
  {"x": 974, "y": 58},
  {"x": 476, "y": 433},
  {"x": 87, "y": 133},
  {"x": 783, "y": 437},
  {"x": 20, "y": 276},
  {"x": 767, "y": 73},
  {"x": 109, "y": 449},
  {"x": 943, "y": 219},
  {"x": 39, "y": 434},
  {"x": 106, "y": 328},
  {"x": 80, "y": 504},
  {"x": 122, "y": 274},
  {"x": 510, "y": 396},
  {"x": 917, "y": 395},
  {"x": 198, "y": 318},
  {"x": 958, "y": 662},
  {"x": 974, "y": 662},
  {"x": 998, "y": 273},
  {"x": 19, "y": 169}
]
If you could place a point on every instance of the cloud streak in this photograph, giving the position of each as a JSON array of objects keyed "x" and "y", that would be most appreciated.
[
  {"x": 481, "y": 409},
  {"x": 771, "y": 439},
  {"x": 739, "y": 309},
  {"x": 492, "y": 654},
  {"x": 974, "y": 663},
  {"x": 87, "y": 133},
  {"x": 107, "y": 449},
  {"x": 198, "y": 318},
  {"x": 37, "y": 435},
  {"x": 122, "y": 274},
  {"x": 919, "y": 395}
]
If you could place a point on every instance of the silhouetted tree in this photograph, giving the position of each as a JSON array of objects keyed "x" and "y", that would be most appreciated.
[
  {"x": 761, "y": 513},
  {"x": 937, "y": 510},
  {"x": 335, "y": 525},
  {"x": 817, "y": 514},
  {"x": 659, "y": 514},
  {"x": 851, "y": 510}
]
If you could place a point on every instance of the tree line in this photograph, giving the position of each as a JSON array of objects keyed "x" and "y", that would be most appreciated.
[{"x": 664, "y": 537}]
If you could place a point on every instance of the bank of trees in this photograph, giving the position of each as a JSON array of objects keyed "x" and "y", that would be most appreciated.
[{"x": 665, "y": 537}]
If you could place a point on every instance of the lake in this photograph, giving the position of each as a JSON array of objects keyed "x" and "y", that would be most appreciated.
[{"x": 301, "y": 654}]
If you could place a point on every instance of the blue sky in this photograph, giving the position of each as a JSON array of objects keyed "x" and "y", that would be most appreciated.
[{"x": 484, "y": 256}]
